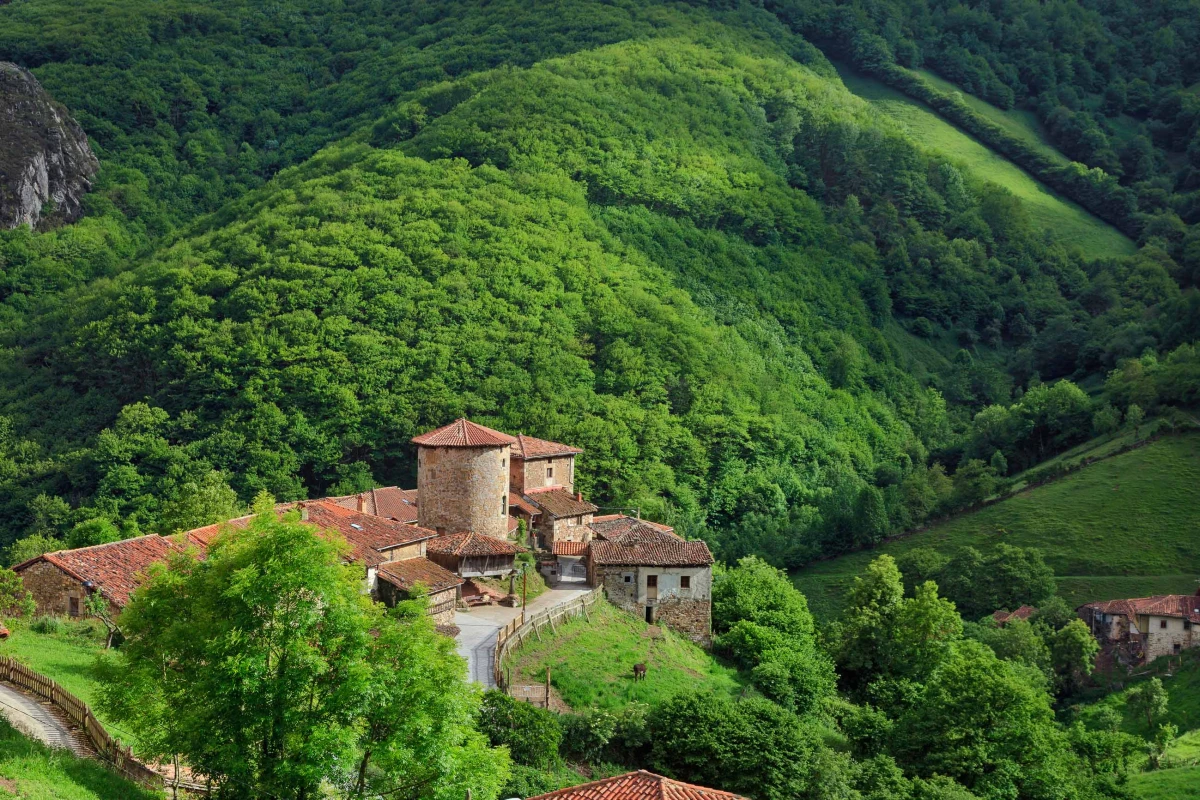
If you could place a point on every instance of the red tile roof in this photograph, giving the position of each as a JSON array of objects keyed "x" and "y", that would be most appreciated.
[
  {"x": 471, "y": 544},
  {"x": 116, "y": 568},
  {"x": 529, "y": 508},
  {"x": 563, "y": 548},
  {"x": 1185, "y": 606},
  {"x": 390, "y": 502},
  {"x": 611, "y": 525},
  {"x": 558, "y": 502},
  {"x": 464, "y": 433},
  {"x": 530, "y": 447},
  {"x": 406, "y": 574},
  {"x": 1024, "y": 612},
  {"x": 640, "y": 785},
  {"x": 645, "y": 545},
  {"x": 203, "y": 537},
  {"x": 370, "y": 537}
]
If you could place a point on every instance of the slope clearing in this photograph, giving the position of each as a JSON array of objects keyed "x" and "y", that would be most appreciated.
[
  {"x": 31, "y": 771},
  {"x": 1126, "y": 526},
  {"x": 1052, "y": 212}
]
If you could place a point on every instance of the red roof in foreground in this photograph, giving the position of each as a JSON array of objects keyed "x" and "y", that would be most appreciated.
[
  {"x": 1185, "y": 606},
  {"x": 464, "y": 433},
  {"x": 471, "y": 544},
  {"x": 529, "y": 447},
  {"x": 645, "y": 545},
  {"x": 640, "y": 785},
  {"x": 116, "y": 568}
]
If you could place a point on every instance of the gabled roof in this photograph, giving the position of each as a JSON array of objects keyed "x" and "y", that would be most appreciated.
[
  {"x": 370, "y": 537},
  {"x": 644, "y": 545},
  {"x": 611, "y": 525},
  {"x": 115, "y": 569},
  {"x": 1024, "y": 612},
  {"x": 203, "y": 537},
  {"x": 640, "y": 785},
  {"x": 565, "y": 548},
  {"x": 471, "y": 544},
  {"x": 464, "y": 433},
  {"x": 529, "y": 508},
  {"x": 558, "y": 502},
  {"x": 404, "y": 575},
  {"x": 390, "y": 502},
  {"x": 530, "y": 447},
  {"x": 1183, "y": 606}
]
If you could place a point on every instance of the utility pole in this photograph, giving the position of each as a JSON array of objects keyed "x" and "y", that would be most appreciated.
[{"x": 524, "y": 590}]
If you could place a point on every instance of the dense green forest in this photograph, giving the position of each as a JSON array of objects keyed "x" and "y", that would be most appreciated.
[{"x": 662, "y": 231}]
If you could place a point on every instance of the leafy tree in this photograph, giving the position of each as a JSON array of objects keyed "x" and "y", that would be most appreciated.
[
  {"x": 1073, "y": 655},
  {"x": 918, "y": 565},
  {"x": 97, "y": 605},
  {"x": 32, "y": 546},
  {"x": 1148, "y": 699},
  {"x": 15, "y": 599},
  {"x": 531, "y": 734},
  {"x": 1134, "y": 416}
]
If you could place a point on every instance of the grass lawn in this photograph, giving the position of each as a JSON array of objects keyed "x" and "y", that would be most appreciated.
[
  {"x": 1166, "y": 784},
  {"x": 31, "y": 771},
  {"x": 591, "y": 664},
  {"x": 1127, "y": 526},
  {"x": 1071, "y": 222}
]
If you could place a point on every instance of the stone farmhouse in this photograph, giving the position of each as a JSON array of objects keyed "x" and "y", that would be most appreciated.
[
  {"x": 1144, "y": 628},
  {"x": 640, "y": 785}
]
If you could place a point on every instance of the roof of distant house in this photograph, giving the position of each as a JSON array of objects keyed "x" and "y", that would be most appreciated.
[
  {"x": 530, "y": 447},
  {"x": 114, "y": 569},
  {"x": 390, "y": 502},
  {"x": 370, "y": 537},
  {"x": 471, "y": 544},
  {"x": 404, "y": 575},
  {"x": 611, "y": 525},
  {"x": 645, "y": 545},
  {"x": 640, "y": 785},
  {"x": 1024, "y": 612},
  {"x": 464, "y": 433},
  {"x": 564, "y": 548},
  {"x": 205, "y": 536},
  {"x": 529, "y": 508},
  {"x": 558, "y": 502},
  {"x": 1185, "y": 606}
]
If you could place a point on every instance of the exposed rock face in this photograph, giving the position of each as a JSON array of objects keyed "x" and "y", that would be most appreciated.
[{"x": 45, "y": 160}]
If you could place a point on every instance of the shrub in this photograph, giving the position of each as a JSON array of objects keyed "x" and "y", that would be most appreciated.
[
  {"x": 532, "y": 734},
  {"x": 50, "y": 625}
]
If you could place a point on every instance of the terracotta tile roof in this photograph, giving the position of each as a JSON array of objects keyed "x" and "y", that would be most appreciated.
[
  {"x": 203, "y": 537},
  {"x": 529, "y": 447},
  {"x": 558, "y": 502},
  {"x": 471, "y": 544},
  {"x": 610, "y": 525},
  {"x": 116, "y": 568},
  {"x": 390, "y": 502},
  {"x": 406, "y": 574},
  {"x": 647, "y": 545},
  {"x": 464, "y": 433},
  {"x": 1024, "y": 612},
  {"x": 563, "y": 548},
  {"x": 640, "y": 785},
  {"x": 1185, "y": 606},
  {"x": 370, "y": 537},
  {"x": 529, "y": 508}
]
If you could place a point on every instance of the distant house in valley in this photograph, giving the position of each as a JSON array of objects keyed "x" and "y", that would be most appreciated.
[
  {"x": 402, "y": 580},
  {"x": 640, "y": 785},
  {"x": 1002, "y": 617},
  {"x": 61, "y": 582},
  {"x": 1143, "y": 628},
  {"x": 650, "y": 571},
  {"x": 564, "y": 516},
  {"x": 471, "y": 555}
]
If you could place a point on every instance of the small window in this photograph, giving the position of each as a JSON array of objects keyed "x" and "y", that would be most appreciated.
[
  {"x": 549, "y": 472},
  {"x": 503, "y": 505},
  {"x": 1162, "y": 623},
  {"x": 685, "y": 582},
  {"x": 1177, "y": 647},
  {"x": 652, "y": 581},
  {"x": 73, "y": 605},
  {"x": 629, "y": 579}
]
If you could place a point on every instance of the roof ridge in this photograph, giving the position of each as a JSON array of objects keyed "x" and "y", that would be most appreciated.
[{"x": 110, "y": 544}]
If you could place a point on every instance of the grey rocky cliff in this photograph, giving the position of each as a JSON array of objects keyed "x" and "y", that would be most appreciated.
[{"x": 45, "y": 160}]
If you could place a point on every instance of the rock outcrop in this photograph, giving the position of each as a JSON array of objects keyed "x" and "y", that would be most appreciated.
[{"x": 45, "y": 160}]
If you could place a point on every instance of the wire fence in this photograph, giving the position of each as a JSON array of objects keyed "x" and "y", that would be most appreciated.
[{"x": 514, "y": 633}]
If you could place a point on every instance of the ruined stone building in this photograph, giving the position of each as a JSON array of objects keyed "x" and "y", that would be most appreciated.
[{"x": 1144, "y": 628}]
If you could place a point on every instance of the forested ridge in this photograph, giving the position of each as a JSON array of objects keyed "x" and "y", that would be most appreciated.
[{"x": 661, "y": 231}]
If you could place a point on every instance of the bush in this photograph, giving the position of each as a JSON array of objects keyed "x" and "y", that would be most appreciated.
[
  {"x": 49, "y": 625},
  {"x": 532, "y": 734}
]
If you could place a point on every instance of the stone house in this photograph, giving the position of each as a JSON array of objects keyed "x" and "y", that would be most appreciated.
[
  {"x": 1145, "y": 628},
  {"x": 655, "y": 574},
  {"x": 564, "y": 516},
  {"x": 61, "y": 582},
  {"x": 470, "y": 555},
  {"x": 640, "y": 785},
  {"x": 539, "y": 464},
  {"x": 463, "y": 479},
  {"x": 401, "y": 580}
]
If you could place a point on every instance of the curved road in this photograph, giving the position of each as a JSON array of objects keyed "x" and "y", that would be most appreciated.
[{"x": 35, "y": 721}]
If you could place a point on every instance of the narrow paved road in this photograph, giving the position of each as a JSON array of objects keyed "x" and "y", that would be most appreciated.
[
  {"x": 35, "y": 721},
  {"x": 479, "y": 627}
]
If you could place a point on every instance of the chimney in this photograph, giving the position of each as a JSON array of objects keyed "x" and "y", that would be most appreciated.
[
  {"x": 303, "y": 512},
  {"x": 360, "y": 503},
  {"x": 579, "y": 496}
]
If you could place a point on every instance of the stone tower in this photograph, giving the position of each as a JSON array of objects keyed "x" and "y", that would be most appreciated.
[{"x": 462, "y": 479}]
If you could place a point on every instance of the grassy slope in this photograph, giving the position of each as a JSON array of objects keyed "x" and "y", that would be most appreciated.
[
  {"x": 1167, "y": 784},
  {"x": 31, "y": 771},
  {"x": 66, "y": 658},
  {"x": 591, "y": 663},
  {"x": 1070, "y": 221},
  {"x": 1125, "y": 526}
]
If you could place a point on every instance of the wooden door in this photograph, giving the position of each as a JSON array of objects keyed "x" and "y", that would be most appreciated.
[{"x": 652, "y": 588}]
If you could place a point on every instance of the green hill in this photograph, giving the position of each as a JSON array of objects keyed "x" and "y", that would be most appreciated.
[
  {"x": 31, "y": 771},
  {"x": 1126, "y": 526}
]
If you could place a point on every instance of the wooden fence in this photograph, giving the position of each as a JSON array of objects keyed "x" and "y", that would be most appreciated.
[
  {"x": 514, "y": 633},
  {"x": 107, "y": 746}
]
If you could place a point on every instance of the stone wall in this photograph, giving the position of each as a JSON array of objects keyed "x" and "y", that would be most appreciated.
[
  {"x": 692, "y": 618},
  {"x": 405, "y": 552},
  {"x": 564, "y": 529},
  {"x": 1161, "y": 641},
  {"x": 529, "y": 474},
  {"x": 687, "y": 611},
  {"x": 52, "y": 589},
  {"x": 463, "y": 489}
]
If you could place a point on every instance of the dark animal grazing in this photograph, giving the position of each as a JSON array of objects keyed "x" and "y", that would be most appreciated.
[{"x": 639, "y": 672}]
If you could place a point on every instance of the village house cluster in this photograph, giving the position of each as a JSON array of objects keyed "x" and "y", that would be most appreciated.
[
  {"x": 475, "y": 486},
  {"x": 1139, "y": 630}
]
